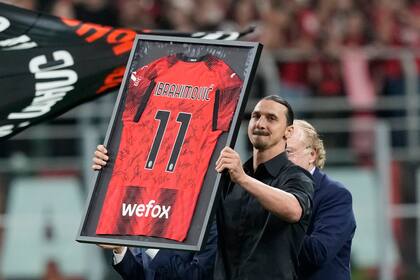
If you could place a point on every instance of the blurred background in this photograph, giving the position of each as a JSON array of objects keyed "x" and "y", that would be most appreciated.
[{"x": 350, "y": 67}]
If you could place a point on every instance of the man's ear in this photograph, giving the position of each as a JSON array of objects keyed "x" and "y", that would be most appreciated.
[
  {"x": 314, "y": 155},
  {"x": 289, "y": 132}
]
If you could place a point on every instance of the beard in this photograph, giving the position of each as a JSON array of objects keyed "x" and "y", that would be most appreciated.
[{"x": 260, "y": 143}]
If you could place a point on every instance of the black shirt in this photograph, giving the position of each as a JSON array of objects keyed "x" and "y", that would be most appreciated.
[{"x": 253, "y": 242}]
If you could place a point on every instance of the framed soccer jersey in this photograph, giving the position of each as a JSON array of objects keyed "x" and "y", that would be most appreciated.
[{"x": 180, "y": 102}]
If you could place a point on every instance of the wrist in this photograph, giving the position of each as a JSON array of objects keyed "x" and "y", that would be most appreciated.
[{"x": 243, "y": 180}]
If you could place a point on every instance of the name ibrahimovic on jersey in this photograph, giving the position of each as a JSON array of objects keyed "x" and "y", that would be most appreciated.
[{"x": 183, "y": 91}]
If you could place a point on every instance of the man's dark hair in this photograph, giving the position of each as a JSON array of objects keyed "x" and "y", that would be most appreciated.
[{"x": 290, "y": 115}]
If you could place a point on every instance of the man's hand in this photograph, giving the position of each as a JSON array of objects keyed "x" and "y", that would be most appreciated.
[
  {"x": 117, "y": 249},
  {"x": 230, "y": 160},
  {"x": 100, "y": 158}
]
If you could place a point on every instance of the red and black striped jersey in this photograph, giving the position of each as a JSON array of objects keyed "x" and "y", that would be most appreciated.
[{"x": 175, "y": 110}]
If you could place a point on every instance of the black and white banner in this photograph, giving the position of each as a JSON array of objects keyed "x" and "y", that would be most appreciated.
[{"x": 49, "y": 65}]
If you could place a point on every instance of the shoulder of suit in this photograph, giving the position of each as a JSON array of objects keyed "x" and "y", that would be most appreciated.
[
  {"x": 334, "y": 187},
  {"x": 299, "y": 171}
]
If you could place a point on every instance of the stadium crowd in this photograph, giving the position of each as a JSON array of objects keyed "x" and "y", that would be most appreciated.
[{"x": 316, "y": 31}]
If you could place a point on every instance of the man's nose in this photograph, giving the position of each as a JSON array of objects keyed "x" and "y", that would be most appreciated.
[{"x": 261, "y": 122}]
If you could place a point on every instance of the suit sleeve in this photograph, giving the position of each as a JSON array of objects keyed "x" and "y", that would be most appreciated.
[
  {"x": 229, "y": 93},
  {"x": 199, "y": 267},
  {"x": 130, "y": 268},
  {"x": 333, "y": 226}
]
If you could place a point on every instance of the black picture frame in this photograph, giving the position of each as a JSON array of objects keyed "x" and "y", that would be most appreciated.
[{"x": 243, "y": 58}]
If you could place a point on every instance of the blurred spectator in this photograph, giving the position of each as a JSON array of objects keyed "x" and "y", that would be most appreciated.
[
  {"x": 279, "y": 31},
  {"x": 95, "y": 11},
  {"x": 324, "y": 76},
  {"x": 26, "y": 4},
  {"x": 309, "y": 25},
  {"x": 275, "y": 21},
  {"x": 62, "y": 8},
  {"x": 240, "y": 15},
  {"x": 388, "y": 72},
  {"x": 387, "y": 30},
  {"x": 208, "y": 14},
  {"x": 178, "y": 15},
  {"x": 98, "y": 11},
  {"x": 138, "y": 14}
]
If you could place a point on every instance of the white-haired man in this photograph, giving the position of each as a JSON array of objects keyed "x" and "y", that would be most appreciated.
[{"x": 326, "y": 248}]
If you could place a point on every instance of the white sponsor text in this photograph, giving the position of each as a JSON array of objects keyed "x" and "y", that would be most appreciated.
[{"x": 146, "y": 210}]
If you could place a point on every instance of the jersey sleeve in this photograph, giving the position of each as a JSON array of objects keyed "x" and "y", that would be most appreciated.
[
  {"x": 228, "y": 97},
  {"x": 140, "y": 85}
]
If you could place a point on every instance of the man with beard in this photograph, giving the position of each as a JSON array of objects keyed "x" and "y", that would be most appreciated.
[{"x": 265, "y": 210}]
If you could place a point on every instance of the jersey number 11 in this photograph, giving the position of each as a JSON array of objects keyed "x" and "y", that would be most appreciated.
[{"x": 163, "y": 117}]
